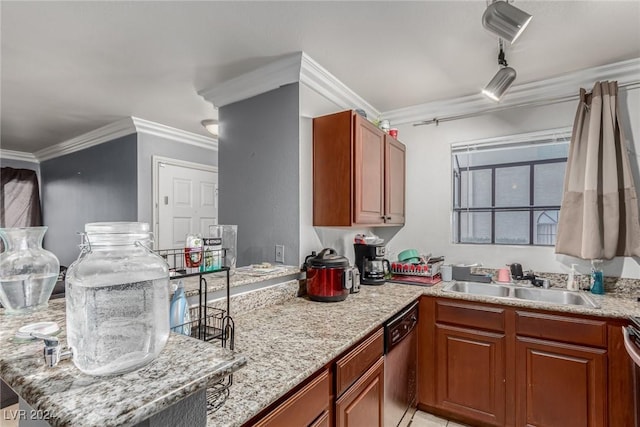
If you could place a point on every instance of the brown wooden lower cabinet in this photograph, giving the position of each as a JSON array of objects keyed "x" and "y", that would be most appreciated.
[
  {"x": 362, "y": 403},
  {"x": 560, "y": 384},
  {"x": 488, "y": 364},
  {"x": 470, "y": 369},
  {"x": 304, "y": 407},
  {"x": 323, "y": 420}
]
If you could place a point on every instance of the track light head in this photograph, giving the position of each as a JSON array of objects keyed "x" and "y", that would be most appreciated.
[
  {"x": 505, "y": 20},
  {"x": 500, "y": 83}
]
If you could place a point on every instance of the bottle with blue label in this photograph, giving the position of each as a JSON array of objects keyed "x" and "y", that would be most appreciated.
[{"x": 597, "y": 278}]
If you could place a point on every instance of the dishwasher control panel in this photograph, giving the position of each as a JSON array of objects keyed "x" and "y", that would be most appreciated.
[{"x": 400, "y": 326}]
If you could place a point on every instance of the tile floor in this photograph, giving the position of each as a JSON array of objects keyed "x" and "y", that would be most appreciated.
[{"x": 423, "y": 419}]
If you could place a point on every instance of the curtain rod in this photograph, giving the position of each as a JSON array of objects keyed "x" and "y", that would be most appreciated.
[{"x": 549, "y": 101}]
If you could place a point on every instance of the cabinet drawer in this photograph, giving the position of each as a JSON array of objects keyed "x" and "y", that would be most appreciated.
[
  {"x": 357, "y": 361},
  {"x": 561, "y": 328},
  {"x": 472, "y": 315},
  {"x": 303, "y": 407}
]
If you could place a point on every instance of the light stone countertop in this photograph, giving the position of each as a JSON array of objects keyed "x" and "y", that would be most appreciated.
[
  {"x": 70, "y": 397},
  {"x": 287, "y": 342}
]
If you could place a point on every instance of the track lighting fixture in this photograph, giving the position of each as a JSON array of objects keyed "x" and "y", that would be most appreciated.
[
  {"x": 503, "y": 79},
  {"x": 505, "y": 20}
]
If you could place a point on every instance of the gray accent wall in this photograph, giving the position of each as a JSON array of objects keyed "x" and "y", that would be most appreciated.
[
  {"x": 259, "y": 175},
  {"x": 152, "y": 145},
  {"x": 95, "y": 184}
]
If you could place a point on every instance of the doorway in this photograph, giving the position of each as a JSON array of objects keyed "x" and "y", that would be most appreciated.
[{"x": 185, "y": 200}]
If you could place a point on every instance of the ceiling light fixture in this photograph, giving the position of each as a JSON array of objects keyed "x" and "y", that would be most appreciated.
[
  {"x": 212, "y": 126},
  {"x": 505, "y": 20},
  {"x": 503, "y": 79}
]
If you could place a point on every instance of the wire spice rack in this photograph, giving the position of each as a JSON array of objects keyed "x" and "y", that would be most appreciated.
[{"x": 207, "y": 323}]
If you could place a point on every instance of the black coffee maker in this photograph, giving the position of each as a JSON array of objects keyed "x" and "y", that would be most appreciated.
[{"x": 371, "y": 263}]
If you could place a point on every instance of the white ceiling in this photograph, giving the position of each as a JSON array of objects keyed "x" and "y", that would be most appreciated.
[{"x": 71, "y": 67}]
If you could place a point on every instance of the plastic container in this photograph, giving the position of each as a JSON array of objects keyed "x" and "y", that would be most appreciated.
[
  {"x": 229, "y": 236},
  {"x": 572, "y": 284},
  {"x": 179, "y": 318},
  {"x": 597, "y": 279},
  {"x": 117, "y": 294},
  {"x": 192, "y": 250},
  {"x": 28, "y": 273}
]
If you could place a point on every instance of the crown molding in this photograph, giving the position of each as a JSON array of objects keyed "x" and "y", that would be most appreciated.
[
  {"x": 124, "y": 127},
  {"x": 18, "y": 155},
  {"x": 156, "y": 129},
  {"x": 283, "y": 71},
  {"x": 565, "y": 85},
  {"x": 293, "y": 68},
  {"x": 95, "y": 137},
  {"x": 319, "y": 79}
]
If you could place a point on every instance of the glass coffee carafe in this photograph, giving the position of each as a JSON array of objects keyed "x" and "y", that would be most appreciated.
[{"x": 377, "y": 268}]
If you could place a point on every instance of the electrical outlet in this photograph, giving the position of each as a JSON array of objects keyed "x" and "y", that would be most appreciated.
[{"x": 280, "y": 254}]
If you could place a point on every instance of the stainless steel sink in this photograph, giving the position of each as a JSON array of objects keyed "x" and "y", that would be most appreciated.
[
  {"x": 479, "y": 289},
  {"x": 513, "y": 292},
  {"x": 555, "y": 296}
]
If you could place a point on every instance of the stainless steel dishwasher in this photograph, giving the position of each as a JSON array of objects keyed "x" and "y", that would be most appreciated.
[{"x": 400, "y": 345}]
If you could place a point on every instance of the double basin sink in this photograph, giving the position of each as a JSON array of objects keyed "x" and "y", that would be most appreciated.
[{"x": 513, "y": 292}]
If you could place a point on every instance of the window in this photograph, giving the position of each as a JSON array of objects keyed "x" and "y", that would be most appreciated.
[{"x": 508, "y": 190}]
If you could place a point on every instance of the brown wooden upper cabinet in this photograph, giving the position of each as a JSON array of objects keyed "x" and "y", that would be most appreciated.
[{"x": 358, "y": 173}]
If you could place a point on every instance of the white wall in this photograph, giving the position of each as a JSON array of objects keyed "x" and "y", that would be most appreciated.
[{"x": 428, "y": 216}]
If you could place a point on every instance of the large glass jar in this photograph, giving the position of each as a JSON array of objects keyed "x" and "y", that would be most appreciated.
[
  {"x": 28, "y": 273},
  {"x": 117, "y": 294}
]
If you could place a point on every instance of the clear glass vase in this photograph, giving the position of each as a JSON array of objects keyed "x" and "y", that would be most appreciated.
[
  {"x": 117, "y": 295},
  {"x": 28, "y": 273}
]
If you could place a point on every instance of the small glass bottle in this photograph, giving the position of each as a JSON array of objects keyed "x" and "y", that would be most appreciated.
[
  {"x": 597, "y": 279},
  {"x": 117, "y": 294}
]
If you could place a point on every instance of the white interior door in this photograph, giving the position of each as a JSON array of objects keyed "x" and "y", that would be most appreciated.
[{"x": 187, "y": 202}]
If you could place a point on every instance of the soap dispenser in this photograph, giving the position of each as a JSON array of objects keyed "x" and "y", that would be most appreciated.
[
  {"x": 597, "y": 279},
  {"x": 572, "y": 283}
]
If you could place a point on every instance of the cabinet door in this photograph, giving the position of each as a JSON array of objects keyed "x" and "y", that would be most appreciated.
[
  {"x": 470, "y": 370},
  {"x": 394, "y": 184},
  {"x": 362, "y": 403},
  {"x": 560, "y": 384},
  {"x": 369, "y": 172}
]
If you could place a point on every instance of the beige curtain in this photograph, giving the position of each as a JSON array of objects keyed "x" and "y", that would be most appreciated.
[{"x": 599, "y": 212}]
